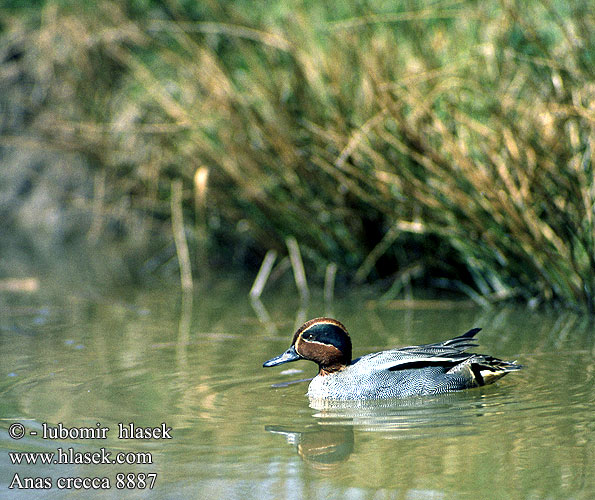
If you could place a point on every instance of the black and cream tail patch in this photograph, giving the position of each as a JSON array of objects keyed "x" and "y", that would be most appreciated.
[{"x": 484, "y": 370}]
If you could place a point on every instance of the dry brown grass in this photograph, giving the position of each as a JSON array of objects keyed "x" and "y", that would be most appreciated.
[{"x": 454, "y": 138}]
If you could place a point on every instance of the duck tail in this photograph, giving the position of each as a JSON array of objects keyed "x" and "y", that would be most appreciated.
[{"x": 487, "y": 369}]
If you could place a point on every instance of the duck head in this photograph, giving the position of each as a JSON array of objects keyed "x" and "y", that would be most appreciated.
[{"x": 322, "y": 340}]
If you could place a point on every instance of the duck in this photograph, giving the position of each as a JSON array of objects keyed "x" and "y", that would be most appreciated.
[{"x": 396, "y": 373}]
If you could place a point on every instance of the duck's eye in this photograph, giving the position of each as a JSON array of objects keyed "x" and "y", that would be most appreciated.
[{"x": 308, "y": 336}]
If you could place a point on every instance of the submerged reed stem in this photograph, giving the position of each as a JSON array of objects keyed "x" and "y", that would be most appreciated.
[
  {"x": 263, "y": 274},
  {"x": 329, "y": 283},
  {"x": 177, "y": 222},
  {"x": 298, "y": 268}
]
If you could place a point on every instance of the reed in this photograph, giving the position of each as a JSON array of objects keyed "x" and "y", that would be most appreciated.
[{"x": 453, "y": 138}]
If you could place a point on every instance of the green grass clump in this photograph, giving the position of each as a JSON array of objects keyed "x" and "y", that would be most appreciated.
[{"x": 453, "y": 137}]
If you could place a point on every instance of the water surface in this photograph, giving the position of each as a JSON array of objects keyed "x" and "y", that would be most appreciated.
[{"x": 240, "y": 431}]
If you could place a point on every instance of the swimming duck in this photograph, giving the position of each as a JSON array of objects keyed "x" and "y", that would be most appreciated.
[{"x": 408, "y": 371}]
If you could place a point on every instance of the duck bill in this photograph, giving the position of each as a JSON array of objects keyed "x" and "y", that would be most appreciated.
[{"x": 286, "y": 357}]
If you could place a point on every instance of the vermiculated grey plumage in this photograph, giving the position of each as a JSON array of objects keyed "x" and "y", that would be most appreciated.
[{"x": 416, "y": 370}]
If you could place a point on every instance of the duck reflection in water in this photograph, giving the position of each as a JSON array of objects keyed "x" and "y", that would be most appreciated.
[
  {"x": 330, "y": 441},
  {"x": 323, "y": 448}
]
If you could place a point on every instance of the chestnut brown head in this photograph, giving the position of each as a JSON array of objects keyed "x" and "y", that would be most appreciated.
[{"x": 322, "y": 340}]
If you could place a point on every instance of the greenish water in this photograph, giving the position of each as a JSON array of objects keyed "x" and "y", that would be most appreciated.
[{"x": 241, "y": 431}]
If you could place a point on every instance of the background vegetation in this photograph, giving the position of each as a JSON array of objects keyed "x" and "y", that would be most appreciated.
[{"x": 445, "y": 143}]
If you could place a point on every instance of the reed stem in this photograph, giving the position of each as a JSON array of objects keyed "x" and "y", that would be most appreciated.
[{"x": 177, "y": 222}]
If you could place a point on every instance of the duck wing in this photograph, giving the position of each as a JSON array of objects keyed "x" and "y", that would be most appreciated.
[
  {"x": 447, "y": 353},
  {"x": 452, "y": 346}
]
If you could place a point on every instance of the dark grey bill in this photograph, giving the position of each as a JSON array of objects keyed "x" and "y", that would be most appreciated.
[{"x": 286, "y": 357}]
